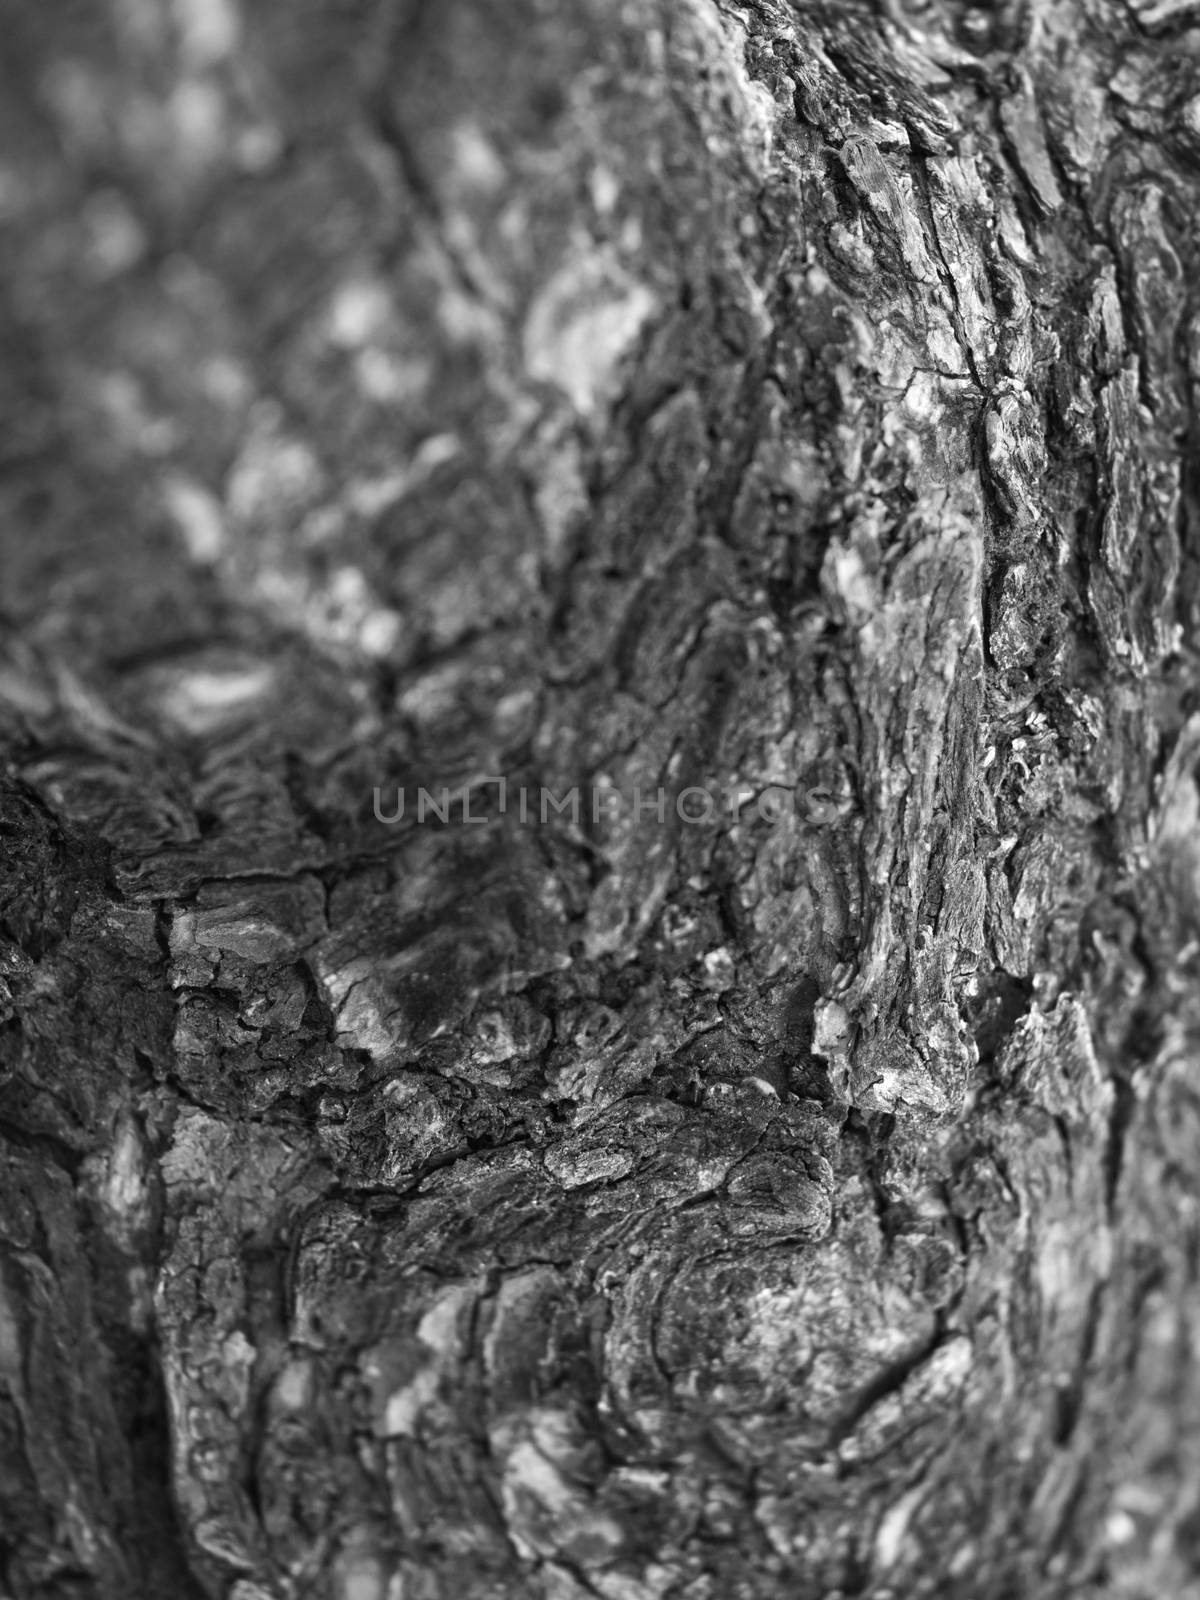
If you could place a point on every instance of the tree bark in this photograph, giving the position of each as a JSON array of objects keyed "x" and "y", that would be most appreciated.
[{"x": 788, "y": 1187}]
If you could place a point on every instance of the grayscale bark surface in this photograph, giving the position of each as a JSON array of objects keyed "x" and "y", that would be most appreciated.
[{"x": 616, "y": 395}]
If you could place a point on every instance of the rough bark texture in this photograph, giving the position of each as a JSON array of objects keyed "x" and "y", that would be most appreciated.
[{"x": 623, "y": 396}]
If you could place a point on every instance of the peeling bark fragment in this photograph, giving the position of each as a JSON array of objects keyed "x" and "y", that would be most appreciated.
[
  {"x": 958, "y": 196},
  {"x": 1156, "y": 288},
  {"x": 1021, "y": 120},
  {"x": 1139, "y": 544},
  {"x": 262, "y": 924},
  {"x": 885, "y": 195},
  {"x": 1159, "y": 15}
]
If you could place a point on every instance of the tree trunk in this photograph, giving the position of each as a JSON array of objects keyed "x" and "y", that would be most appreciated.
[{"x": 753, "y": 1149}]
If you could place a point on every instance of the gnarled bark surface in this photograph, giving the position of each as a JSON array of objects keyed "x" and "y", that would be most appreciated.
[{"x": 765, "y": 398}]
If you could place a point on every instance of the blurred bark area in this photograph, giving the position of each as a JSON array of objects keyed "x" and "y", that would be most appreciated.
[{"x": 626, "y": 396}]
